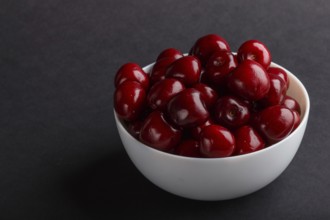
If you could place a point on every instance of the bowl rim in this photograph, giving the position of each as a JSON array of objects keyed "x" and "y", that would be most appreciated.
[{"x": 235, "y": 157}]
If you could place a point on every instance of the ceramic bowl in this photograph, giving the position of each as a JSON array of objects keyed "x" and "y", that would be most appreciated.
[{"x": 218, "y": 178}]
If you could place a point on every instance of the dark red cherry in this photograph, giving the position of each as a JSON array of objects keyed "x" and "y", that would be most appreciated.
[
  {"x": 291, "y": 104},
  {"x": 219, "y": 65},
  {"x": 249, "y": 81},
  {"x": 129, "y": 100},
  {"x": 156, "y": 132},
  {"x": 206, "y": 45},
  {"x": 231, "y": 112},
  {"x": 276, "y": 93},
  {"x": 134, "y": 128},
  {"x": 247, "y": 140},
  {"x": 296, "y": 120},
  {"x": 158, "y": 71},
  {"x": 188, "y": 148},
  {"x": 254, "y": 50},
  {"x": 209, "y": 95},
  {"x": 281, "y": 73},
  {"x": 161, "y": 93},
  {"x": 186, "y": 69},
  {"x": 131, "y": 72},
  {"x": 216, "y": 141},
  {"x": 274, "y": 123},
  {"x": 195, "y": 131},
  {"x": 170, "y": 53},
  {"x": 187, "y": 109}
]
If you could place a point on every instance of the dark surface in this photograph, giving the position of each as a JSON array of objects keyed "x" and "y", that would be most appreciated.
[{"x": 60, "y": 153}]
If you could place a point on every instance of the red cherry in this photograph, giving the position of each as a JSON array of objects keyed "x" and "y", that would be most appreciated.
[
  {"x": 131, "y": 72},
  {"x": 188, "y": 148},
  {"x": 276, "y": 93},
  {"x": 209, "y": 95},
  {"x": 216, "y": 141},
  {"x": 219, "y": 65},
  {"x": 157, "y": 133},
  {"x": 170, "y": 53},
  {"x": 129, "y": 100},
  {"x": 231, "y": 112},
  {"x": 186, "y": 69},
  {"x": 281, "y": 73},
  {"x": 254, "y": 50},
  {"x": 274, "y": 123},
  {"x": 291, "y": 104},
  {"x": 158, "y": 71},
  {"x": 187, "y": 109},
  {"x": 162, "y": 91},
  {"x": 296, "y": 123},
  {"x": 134, "y": 128},
  {"x": 248, "y": 140},
  {"x": 249, "y": 80},
  {"x": 206, "y": 45},
  {"x": 195, "y": 131}
]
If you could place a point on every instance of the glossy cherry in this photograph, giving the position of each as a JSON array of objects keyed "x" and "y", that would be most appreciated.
[
  {"x": 274, "y": 123},
  {"x": 231, "y": 112},
  {"x": 131, "y": 72},
  {"x": 296, "y": 122},
  {"x": 209, "y": 95},
  {"x": 249, "y": 81},
  {"x": 156, "y": 132},
  {"x": 170, "y": 53},
  {"x": 129, "y": 100},
  {"x": 216, "y": 141},
  {"x": 161, "y": 92},
  {"x": 281, "y": 73},
  {"x": 134, "y": 128},
  {"x": 291, "y": 104},
  {"x": 188, "y": 148},
  {"x": 187, "y": 109},
  {"x": 158, "y": 71},
  {"x": 186, "y": 69},
  {"x": 195, "y": 131},
  {"x": 206, "y": 45},
  {"x": 219, "y": 65},
  {"x": 254, "y": 50},
  {"x": 248, "y": 140},
  {"x": 276, "y": 93}
]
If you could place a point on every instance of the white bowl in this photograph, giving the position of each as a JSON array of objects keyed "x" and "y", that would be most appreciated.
[{"x": 218, "y": 178}]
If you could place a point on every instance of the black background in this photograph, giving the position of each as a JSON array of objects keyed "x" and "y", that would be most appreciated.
[{"x": 60, "y": 153}]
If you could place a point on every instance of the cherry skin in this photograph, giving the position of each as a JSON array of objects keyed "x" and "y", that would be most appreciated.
[
  {"x": 170, "y": 53},
  {"x": 231, "y": 112},
  {"x": 134, "y": 128},
  {"x": 276, "y": 93},
  {"x": 281, "y": 73},
  {"x": 157, "y": 133},
  {"x": 274, "y": 123},
  {"x": 254, "y": 50},
  {"x": 216, "y": 141},
  {"x": 187, "y": 109},
  {"x": 162, "y": 91},
  {"x": 195, "y": 131},
  {"x": 206, "y": 45},
  {"x": 249, "y": 81},
  {"x": 291, "y": 104},
  {"x": 209, "y": 95},
  {"x": 131, "y": 72},
  {"x": 129, "y": 100},
  {"x": 188, "y": 148},
  {"x": 186, "y": 69},
  {"x": 158, "y": 71},
  {"x": 248, "y": 140},
  {"x": 219, "y": 65},
  {"x": 296, "y": 122}
]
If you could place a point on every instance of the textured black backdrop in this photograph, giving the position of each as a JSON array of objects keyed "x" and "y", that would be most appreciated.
[{"x": 60, "y": 153}]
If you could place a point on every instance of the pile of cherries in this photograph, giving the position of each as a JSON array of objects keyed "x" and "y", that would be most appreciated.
[{"x": 210, "y": 103}]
